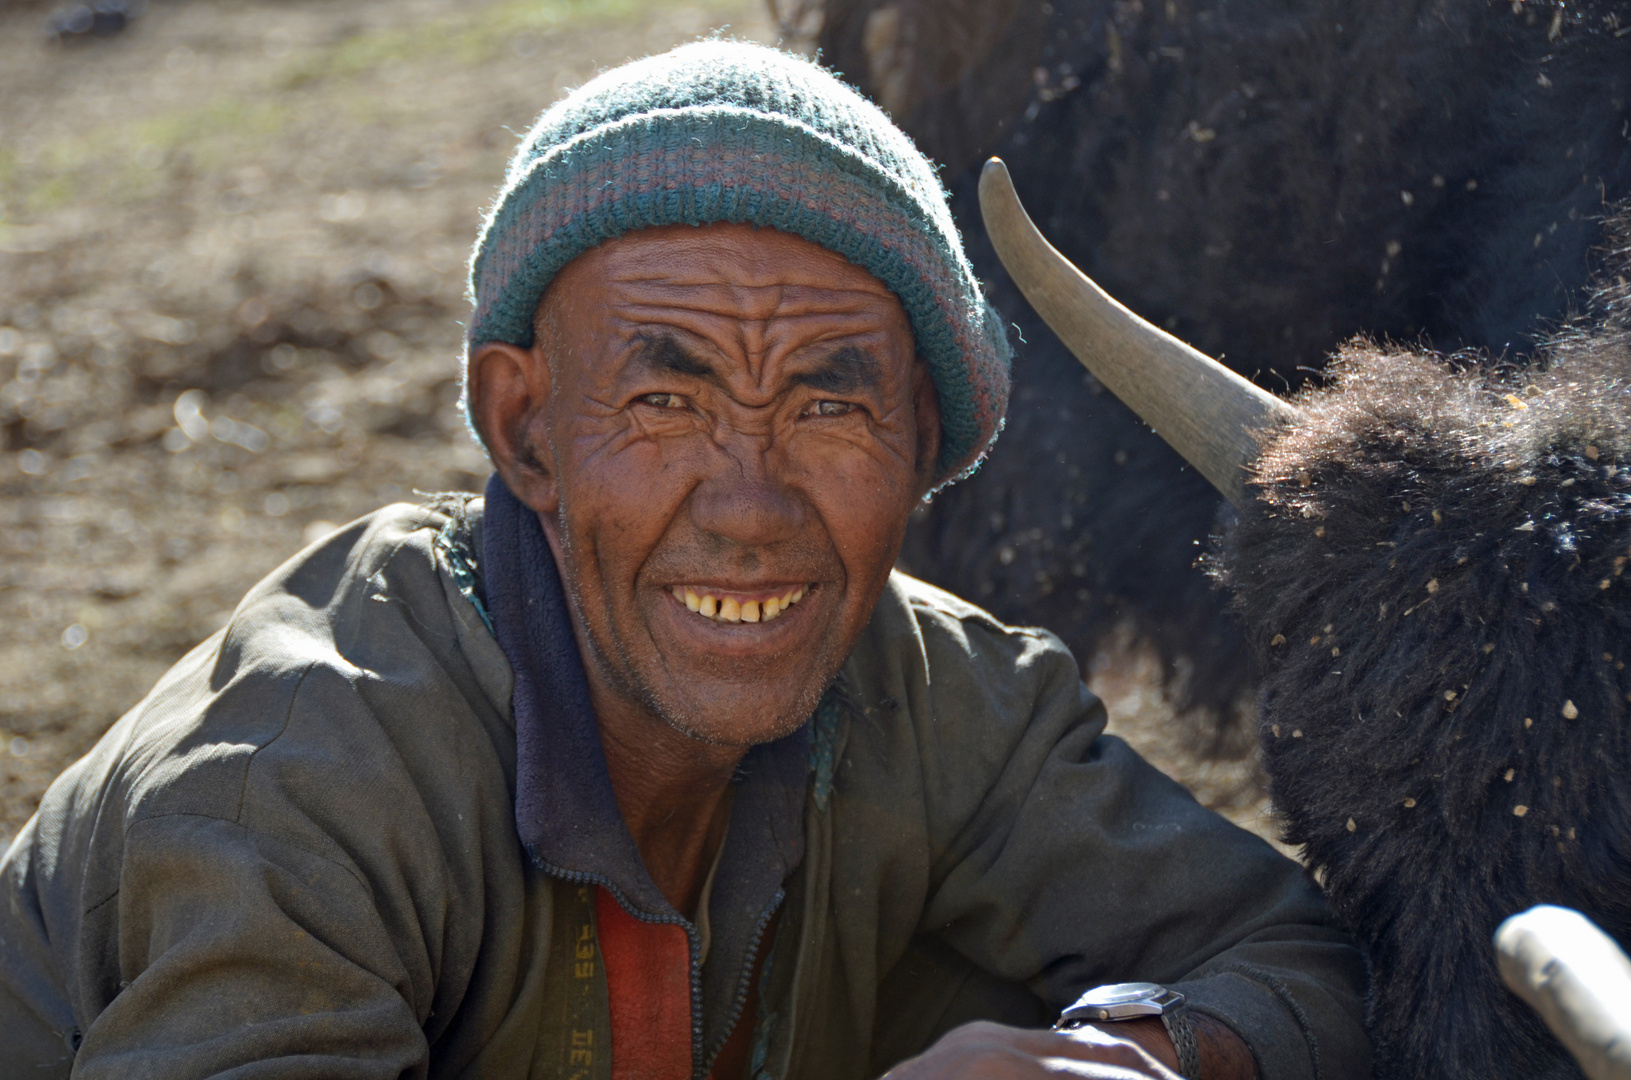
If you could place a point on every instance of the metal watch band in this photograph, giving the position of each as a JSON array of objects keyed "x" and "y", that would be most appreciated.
[{"x": 1182, "y": 1034}]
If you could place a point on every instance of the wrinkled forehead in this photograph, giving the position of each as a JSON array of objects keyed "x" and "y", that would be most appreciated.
[{"x": 729, "y": 281}]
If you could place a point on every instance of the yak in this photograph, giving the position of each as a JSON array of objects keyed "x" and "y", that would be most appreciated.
[
  {"x": 1432, "y": 578},
  {"x": 1428, "y": 559},
  {"x": 1265, "y": 179}
]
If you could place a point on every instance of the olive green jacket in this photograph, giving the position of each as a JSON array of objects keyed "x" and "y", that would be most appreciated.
[{"x": 297, "y": 857}]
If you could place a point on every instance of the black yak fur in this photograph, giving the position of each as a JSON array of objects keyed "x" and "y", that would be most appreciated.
[
  {"x": 1266, "y": 179},
  {"x": 1433, "y": 580}
]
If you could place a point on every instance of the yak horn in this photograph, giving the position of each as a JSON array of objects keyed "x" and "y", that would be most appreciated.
[{"x": 1206, "y": 412}]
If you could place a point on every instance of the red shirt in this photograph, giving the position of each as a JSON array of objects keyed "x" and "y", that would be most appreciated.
[{"x": 648, "y": 982}]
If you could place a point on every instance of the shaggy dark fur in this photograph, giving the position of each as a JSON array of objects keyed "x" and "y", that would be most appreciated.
[
  {"x": 1265, "y": 178},
  {"x": 1434, "y": 584}
]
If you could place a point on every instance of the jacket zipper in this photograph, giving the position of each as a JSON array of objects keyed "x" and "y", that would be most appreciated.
[{"x": 739, "y": 1001}]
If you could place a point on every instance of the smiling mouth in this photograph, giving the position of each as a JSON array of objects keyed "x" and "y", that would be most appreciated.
[{"x": 722, "y": 608}]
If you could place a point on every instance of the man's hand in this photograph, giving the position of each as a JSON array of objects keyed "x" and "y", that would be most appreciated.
[{"x": 987, "y": 1051}]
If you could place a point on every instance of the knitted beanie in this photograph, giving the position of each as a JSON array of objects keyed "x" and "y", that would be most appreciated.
[{"x": 723, "y": 131}]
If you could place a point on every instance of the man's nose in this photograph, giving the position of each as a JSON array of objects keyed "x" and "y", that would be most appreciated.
[{"x": 746, "y": 505}]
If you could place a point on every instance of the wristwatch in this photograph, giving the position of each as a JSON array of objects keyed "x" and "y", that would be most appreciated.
[
  {"x": 1129, "y": 1001},
  {"x": 1119, "y": 1001}
]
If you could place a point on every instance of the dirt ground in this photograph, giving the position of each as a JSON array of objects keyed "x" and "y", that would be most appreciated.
[{"x": 232, "y": 246}]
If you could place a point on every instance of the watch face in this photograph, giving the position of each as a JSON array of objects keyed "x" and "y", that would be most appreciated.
[{"x": 1121, "y": 994}]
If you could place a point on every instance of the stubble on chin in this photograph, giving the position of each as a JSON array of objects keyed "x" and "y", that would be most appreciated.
[
  {"x": 614, "y": 664},
  {"x": 695, "y": 726},
  {"x": 696, "y": 721}
]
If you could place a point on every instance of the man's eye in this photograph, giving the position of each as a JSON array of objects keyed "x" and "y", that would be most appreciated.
[
  {"x": 831, "y": 408},
  {"x": 664, "y": 401}
]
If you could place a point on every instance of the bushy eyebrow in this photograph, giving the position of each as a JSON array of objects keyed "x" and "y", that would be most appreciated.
[
  {"x": 846, "y": 370},
  {"x": 661, "y": 352}
]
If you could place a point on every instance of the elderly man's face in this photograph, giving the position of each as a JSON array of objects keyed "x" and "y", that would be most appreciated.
[{"x": 724, "y": 431}]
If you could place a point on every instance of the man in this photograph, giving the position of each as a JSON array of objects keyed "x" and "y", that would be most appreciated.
[{"x": 647, "y": 765}]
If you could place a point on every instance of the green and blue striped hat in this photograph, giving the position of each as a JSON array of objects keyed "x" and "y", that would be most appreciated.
[{"x": 723, "y": 131}]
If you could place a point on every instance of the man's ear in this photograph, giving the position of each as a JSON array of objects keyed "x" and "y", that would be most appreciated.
[
  {"x": 509, "y": 401},
  {"x": 926, "y": 409}
]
